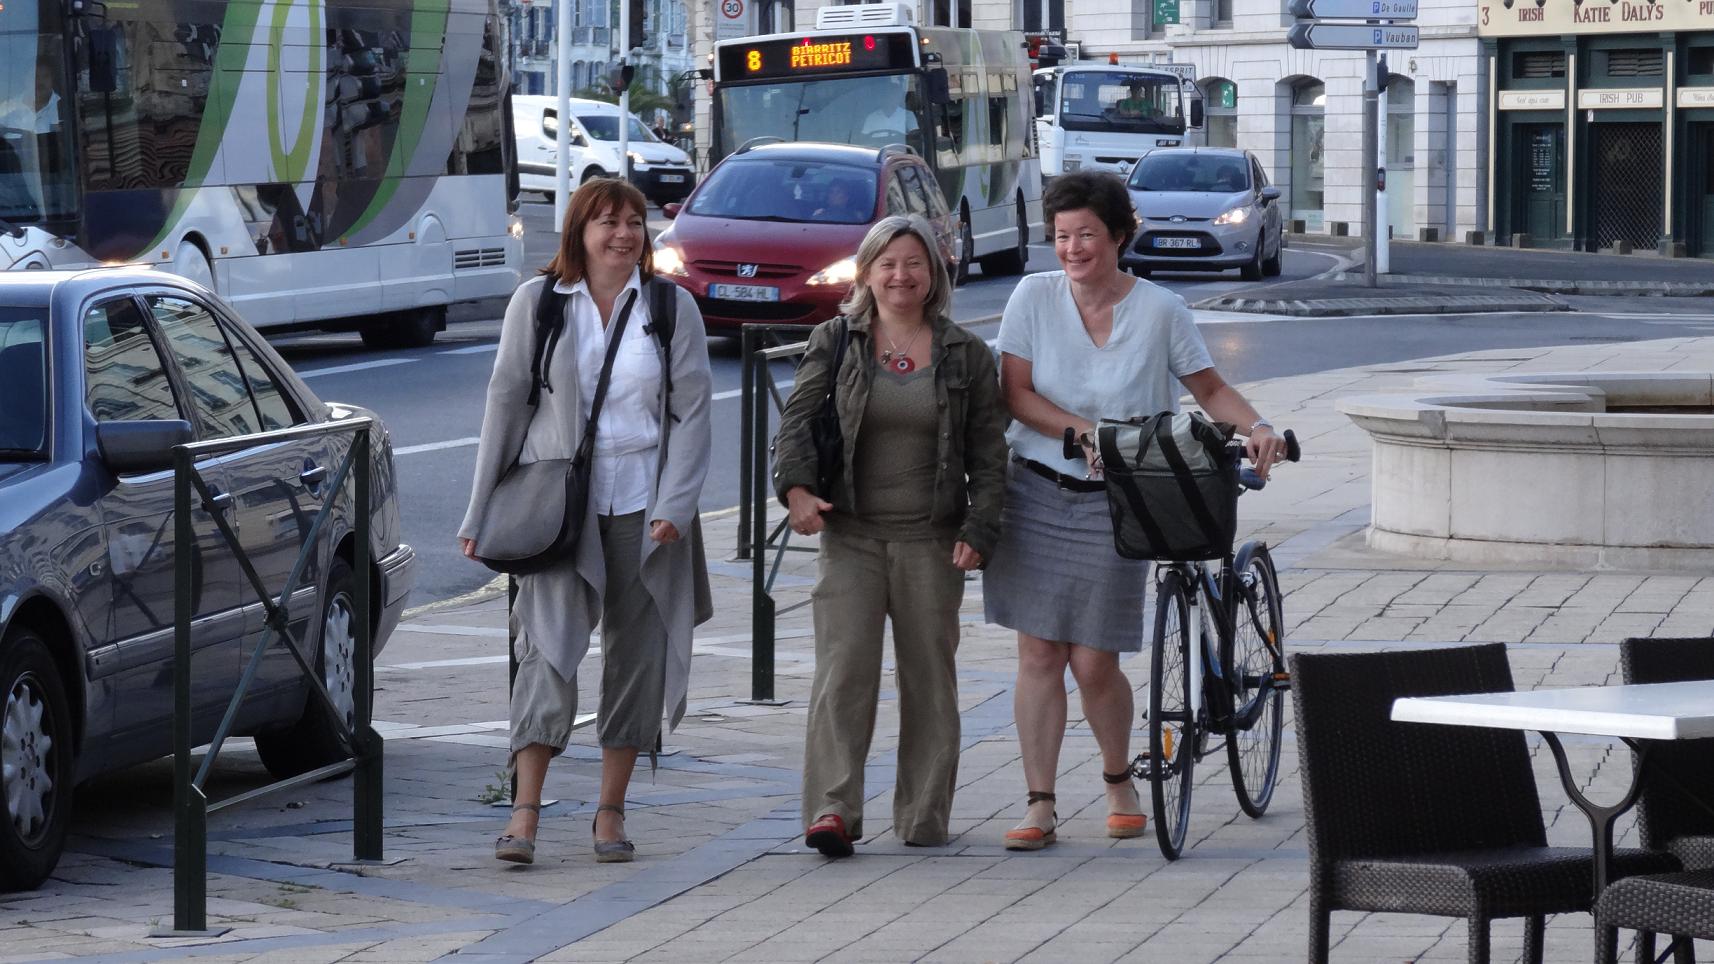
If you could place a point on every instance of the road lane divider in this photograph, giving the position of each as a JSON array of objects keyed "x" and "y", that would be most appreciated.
[{"x": 356, "y": 367}]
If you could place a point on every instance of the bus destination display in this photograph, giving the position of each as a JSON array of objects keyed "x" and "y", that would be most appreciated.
[{"x": 816, "y": 55}]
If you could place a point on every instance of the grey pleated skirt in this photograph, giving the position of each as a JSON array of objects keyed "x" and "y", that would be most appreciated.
[{"x": 1055, "y": 574}]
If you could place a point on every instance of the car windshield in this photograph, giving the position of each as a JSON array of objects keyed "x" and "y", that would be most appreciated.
[
  {"x": 605, "y": 127},
  {"x": 23, "y": 383},
  {"x": 1203, "y": 173},
  {"x": 785, "y": 190},
  {"x": 1127, "y": 103},
  {"x": 37, "y": 174}
]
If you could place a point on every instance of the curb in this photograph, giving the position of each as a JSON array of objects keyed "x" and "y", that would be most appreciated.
[
  {"x": 1404, "y": 305},
  {"x": 1658, "y": 289}
]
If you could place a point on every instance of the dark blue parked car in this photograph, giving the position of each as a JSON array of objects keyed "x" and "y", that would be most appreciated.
[{"x": 101, "y": 373}]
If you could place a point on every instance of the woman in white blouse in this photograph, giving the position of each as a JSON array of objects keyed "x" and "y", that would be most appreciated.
[{"x": 638, "y": 569}]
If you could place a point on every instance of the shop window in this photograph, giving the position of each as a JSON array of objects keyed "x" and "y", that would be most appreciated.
[
  {"x": 1308, "y": 131},
  {"x": 1220, "y": 103},
  {"x": 1538, "y": 64},
  {"x": 1699, "y": 61},
  {"x": 1222, "y": 13},
  {"x": 1635, "y": 62}
]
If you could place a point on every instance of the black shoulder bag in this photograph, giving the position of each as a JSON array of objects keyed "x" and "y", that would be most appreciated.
[
  {"x": 512, "y": 538},
  {"x": 824, "y": 431}
]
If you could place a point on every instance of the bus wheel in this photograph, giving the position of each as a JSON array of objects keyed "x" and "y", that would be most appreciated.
[
  {"x": 191, "y": 264},
  {"x": 967, "y": 252},
  {"x": 406, "y": 329}
]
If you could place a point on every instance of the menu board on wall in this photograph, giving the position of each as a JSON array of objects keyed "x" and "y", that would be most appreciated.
[
  {"x": 1552, "y": 18},
  {"x": 1544, "y": 160}
]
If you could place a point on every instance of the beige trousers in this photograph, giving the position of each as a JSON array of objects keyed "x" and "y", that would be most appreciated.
[{"x": 860, "y": 583}]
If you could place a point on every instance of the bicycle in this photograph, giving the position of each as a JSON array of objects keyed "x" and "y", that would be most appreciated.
[{"x": 1230, "y": 682}]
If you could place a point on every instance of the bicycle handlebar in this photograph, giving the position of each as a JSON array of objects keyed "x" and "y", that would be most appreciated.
[{"x": 1293, "y": 453}]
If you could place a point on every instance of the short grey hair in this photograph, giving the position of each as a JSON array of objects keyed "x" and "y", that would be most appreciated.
[{"x": 860, "y": 303}]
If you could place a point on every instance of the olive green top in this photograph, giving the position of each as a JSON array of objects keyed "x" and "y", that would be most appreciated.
[{"x": 898, "y": 448}]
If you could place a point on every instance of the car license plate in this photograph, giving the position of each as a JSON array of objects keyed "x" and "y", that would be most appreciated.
[
  {"x": 672, "y": 178},
  {"x": 1177, "y": 243},
  {"x": 744, "y": 292}
]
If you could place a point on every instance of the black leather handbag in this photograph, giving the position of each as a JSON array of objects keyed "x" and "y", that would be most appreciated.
[
  {"x": 824, "y": 431},
  {"x": 518, "y": 534}
]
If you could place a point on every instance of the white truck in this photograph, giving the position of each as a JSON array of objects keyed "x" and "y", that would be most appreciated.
[{"x": 1104, "y": 117}]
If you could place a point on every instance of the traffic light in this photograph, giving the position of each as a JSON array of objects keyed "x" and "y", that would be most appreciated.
[{"x": 639, "y": 34}]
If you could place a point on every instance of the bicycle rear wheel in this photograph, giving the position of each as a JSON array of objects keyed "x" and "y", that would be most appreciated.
[
  {"x": 1172, "y": 728},
  {"x": 1257, "y": 659}
]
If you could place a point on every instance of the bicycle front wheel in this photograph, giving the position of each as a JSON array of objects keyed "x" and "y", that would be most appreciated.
[
  {"x": 1172, "y": 726},
  {"x": 1257, "y": 662}
]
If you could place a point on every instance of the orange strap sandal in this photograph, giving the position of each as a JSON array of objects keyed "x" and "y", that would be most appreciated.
[
  {"x": 1124, "y": 826},
  {"x": 1033, "y": 838}
]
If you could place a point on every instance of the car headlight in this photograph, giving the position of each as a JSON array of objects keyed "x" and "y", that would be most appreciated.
[
  {"x": 668, "y": 260},
  {"x": 1235, "y": 216},
  {"x": 516, "y": 227},
  {"x": 636, "y": 158},
  {"x": 841, "y": 272}
]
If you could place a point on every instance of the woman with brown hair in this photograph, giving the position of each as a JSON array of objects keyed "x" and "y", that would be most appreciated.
[{"x": 638, "y": 566}]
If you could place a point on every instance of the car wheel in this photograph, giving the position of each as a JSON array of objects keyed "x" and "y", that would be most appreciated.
[
  {"x": 314, "y": 740},
  {"x": 1253, "y": 270},
  {"x": 1015, "y": 260},
  {"x": 36, "y": 752},
  {"x": 966, "y": 245},
  {"x": 1271, "y": 266},
  {"x": 410, "y": 329},
  {"x": 591, "y": 173}
]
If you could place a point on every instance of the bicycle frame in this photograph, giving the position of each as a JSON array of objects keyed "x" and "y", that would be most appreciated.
[{"x": 1214, "y": 598}]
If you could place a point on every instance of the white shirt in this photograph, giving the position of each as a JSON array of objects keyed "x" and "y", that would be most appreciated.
[
  {"x": 898, "y": 119},
  {"x": 1154, "y": 344},
  {"x": 629, "y": 429}
]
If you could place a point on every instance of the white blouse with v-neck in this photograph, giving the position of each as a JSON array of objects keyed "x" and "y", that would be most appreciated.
[{"x": 1153, "y": 344}]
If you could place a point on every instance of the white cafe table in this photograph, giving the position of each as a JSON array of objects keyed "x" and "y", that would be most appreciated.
[{"x": 1638, "y": 714}]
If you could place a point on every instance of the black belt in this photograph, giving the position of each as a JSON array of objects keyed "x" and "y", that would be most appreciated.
[{"x": 1070, "y": 483}]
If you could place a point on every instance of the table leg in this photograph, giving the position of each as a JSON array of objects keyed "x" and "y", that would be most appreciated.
[{"x": 1601, "y": 818}]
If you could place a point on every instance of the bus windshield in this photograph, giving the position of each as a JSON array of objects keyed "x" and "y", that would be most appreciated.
[
  {"x": 868, "y": 111},
  {"x": 1124, "y": 103},
  {"x": 37, "y": 173}
]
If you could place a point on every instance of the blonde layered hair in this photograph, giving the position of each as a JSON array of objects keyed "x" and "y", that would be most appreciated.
[{"x": 860, "y": 303}]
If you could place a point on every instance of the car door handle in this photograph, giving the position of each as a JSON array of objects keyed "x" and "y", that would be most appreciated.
[
  {"x": 314, "y": 475},
  {"x": 219, "y": 503}
]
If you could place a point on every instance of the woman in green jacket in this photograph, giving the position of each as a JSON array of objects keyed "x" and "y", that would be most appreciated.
[{"x": 915, "y": 506}]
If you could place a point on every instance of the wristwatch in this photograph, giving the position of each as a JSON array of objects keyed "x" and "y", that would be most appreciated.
[{"x": 1260, "y": 423}]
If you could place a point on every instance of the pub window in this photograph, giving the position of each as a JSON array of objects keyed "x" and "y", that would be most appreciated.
[
  {"x": 1635, "y": 62},
  {"x": 1538, "y": 65},
  {"x": 1699, "y": 62}
]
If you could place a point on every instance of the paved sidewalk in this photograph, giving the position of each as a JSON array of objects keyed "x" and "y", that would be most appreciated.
[{"x": 721, "y": 872}]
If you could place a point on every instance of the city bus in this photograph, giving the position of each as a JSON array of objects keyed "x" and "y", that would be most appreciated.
[
  {"x": 867, "y": 75},
  {"x": 318, "y": 163},
  {"x": 1105, "y": 116}
]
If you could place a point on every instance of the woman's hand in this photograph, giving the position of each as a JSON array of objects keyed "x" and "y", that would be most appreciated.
[
  {"x": 468, "y": 547},
  {"x": 804, "y": 509},
  {"x": 966, "y": 558},
  {"x": 663, "y": 532},
  {"x": 1091, "y": 454},
  {"x": 1265, "y": 449}
]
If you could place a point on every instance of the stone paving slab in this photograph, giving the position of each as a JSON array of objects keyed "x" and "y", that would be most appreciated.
[{"x": 722, "y": 873}]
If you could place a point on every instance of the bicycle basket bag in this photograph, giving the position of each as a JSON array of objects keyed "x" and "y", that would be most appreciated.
[{"x": 1172, "y": 486}]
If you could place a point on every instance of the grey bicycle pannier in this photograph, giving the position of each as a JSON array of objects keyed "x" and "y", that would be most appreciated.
[{"x": 1172, "y": 486}]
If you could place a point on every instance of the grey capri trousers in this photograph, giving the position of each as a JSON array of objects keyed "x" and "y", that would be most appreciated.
[{"x": 633, "y": 660}]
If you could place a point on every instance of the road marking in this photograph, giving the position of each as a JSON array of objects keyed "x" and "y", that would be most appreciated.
[
  {"x": 357, "y": 367},
  {"x": 456, "y": 443},
  {"x": 472, "y": 350}
]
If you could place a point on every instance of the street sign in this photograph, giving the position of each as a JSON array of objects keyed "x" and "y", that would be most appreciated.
[
  {"x": 1320, "y": 35},
  {"x": 1166, "y": 11},
  {"x": 1354, "y": 9}
]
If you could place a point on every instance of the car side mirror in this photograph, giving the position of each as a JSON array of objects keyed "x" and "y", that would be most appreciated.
[
  {"x": 670, "y": 209},
  {"x": 1196, "y": 113},
  {"x": 140, "y": 446},
  {"x": 1270, "y": 195},
  {"x": 938, "y": 87}
]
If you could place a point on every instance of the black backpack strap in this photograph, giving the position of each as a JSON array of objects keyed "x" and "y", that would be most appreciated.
[
  {"x": 550, "y": 321},
  {"x": 1181, "y": 474},
  {"x": 1118, "y": 474},
  {"x": 663, "y": 322},
  {"x": 586, "y": 447}
]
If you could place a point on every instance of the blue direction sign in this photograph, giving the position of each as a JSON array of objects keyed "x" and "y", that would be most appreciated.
[
  {"x": 1354, "y": 9},
  {"x": 1320, "y": 35}
]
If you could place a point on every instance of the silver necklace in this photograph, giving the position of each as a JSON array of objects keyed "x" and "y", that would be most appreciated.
[{"x": 895, "y": 358}]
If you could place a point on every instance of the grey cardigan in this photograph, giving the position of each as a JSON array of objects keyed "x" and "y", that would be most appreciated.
[{"x": 559, "y": 607}]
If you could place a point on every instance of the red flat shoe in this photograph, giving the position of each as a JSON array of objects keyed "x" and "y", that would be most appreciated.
[{"x": 827, "y": 834}]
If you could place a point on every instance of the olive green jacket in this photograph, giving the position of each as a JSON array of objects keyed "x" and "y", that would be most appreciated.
[{"x": 970, "y": 483}]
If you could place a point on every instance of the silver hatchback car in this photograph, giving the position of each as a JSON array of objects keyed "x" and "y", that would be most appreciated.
[{"x": 1204, "y": 209}]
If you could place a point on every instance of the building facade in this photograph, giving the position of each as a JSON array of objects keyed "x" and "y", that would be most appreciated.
[
  {"x": 1603, "y": 113},
  {"x": 595, "y": 44}
]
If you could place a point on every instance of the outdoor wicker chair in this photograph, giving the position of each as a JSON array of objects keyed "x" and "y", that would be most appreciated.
[
  {"x": 1680, "y": 904},
  {"x": 1422, "y": 818},
  {"x": 1675, "y": 811}
]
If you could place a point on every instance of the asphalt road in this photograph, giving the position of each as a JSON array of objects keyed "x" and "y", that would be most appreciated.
[{"x": 432, "y": 398}]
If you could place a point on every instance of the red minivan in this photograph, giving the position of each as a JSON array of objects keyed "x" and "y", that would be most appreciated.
[{"x": 771, "y": 234}]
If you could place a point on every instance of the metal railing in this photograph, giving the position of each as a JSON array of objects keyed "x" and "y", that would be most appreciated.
[
  {"x": 762, "y": 345},
  {"x": 190, "y": 802}
]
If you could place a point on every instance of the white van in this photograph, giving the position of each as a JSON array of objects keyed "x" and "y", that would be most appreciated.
[
  {"x": 1105, "y": 116},
  {"x": 661, "y": 171}
]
